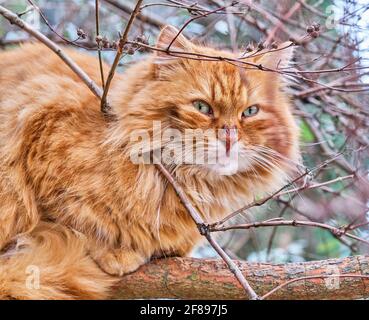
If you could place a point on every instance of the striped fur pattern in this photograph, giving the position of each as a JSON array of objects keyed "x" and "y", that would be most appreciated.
[{"x": 73, "y": 204}]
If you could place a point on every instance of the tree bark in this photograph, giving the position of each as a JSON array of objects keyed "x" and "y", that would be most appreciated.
[{"x": 188, "y": 278}]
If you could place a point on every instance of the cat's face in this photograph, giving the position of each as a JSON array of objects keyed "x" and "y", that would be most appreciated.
[{"x": 246, "y": 109}]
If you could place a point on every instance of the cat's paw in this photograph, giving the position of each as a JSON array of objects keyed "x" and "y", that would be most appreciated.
[{"x": 120, "y": 262}]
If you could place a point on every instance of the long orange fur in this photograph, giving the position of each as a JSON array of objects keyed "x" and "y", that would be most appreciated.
[{"x": 74, "y": 205}]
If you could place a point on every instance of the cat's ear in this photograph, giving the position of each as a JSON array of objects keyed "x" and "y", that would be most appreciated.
[
  {"x": 166, "y": 63},
  {"x": 170, "y": 36},
  {"x": 276, "y": 58}
]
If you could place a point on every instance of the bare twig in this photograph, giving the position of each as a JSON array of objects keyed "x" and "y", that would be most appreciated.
[
  {"x": 14, "y": 19},
  {"x": 331, "y": 74},
  {"x": 189, "y": 21},
  {"x": 203, "y": 229},
  {"x": 122, "y": 42},
  {"x": 262, "y": 201},
  {"x": 54, "y": 32},
  {"x": 126, "y": 8},
  {"x": 97, "y": 20},
  {"x": 293, "y": 223}
]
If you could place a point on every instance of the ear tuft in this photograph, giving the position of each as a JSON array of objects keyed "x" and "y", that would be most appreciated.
[{"x": 166, "y": 36}]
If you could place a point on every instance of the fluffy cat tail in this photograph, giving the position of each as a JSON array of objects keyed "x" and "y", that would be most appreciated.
[{"x": 51, "y": 263}]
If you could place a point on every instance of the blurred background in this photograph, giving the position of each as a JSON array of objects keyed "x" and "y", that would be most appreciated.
[{"x": 330, "y": 96}]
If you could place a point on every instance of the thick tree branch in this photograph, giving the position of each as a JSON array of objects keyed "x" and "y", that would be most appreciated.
[{"x": 188, "y": 278}]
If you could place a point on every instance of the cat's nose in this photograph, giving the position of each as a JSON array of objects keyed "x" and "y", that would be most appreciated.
[
  {"x": 229, "y": 135},
  {"x": 227, "y": 127}
]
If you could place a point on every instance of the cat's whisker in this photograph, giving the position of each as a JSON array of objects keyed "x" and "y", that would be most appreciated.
[
  {"x": 63, "y": 162},
  {"x": 288, "y": 182},
  {"x": 270, "y": 166},
  {"x": 264, "y": 164},
  {"x": 274, "y": 153}
]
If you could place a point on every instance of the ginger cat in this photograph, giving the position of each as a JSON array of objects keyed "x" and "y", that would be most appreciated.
[{"x": 72, "y": 201}]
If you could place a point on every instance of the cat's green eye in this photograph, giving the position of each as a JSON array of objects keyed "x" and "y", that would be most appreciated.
[
  {"x": 251, "y": 111},
  {"x": 203, "y": 107}
]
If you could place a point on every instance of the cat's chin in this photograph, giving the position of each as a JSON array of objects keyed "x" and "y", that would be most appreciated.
[
  {"x": 209, "y": 170},
  {"x": 224, "y": 169}
]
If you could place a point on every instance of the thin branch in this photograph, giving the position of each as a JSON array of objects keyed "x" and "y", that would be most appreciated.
[
  {"x": 262, "y": 201},
  {"x": 14, "y": 19},
  {"x": 290, "y": 13},
  {"x": 122, "y": 42},
  {"x": 52, "y": 29},
  {"x": 191, "y": 20},
  {"x": 97, "y": 20},
  {"x": 241, "y": 62},
  {"x": 127, "y": 8},
  {"x": 315, "y": 185},
  {"x": 342, "y": 162},
  {"x": 203, "y": 229},
  {"x": 293, "y": 223}
]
